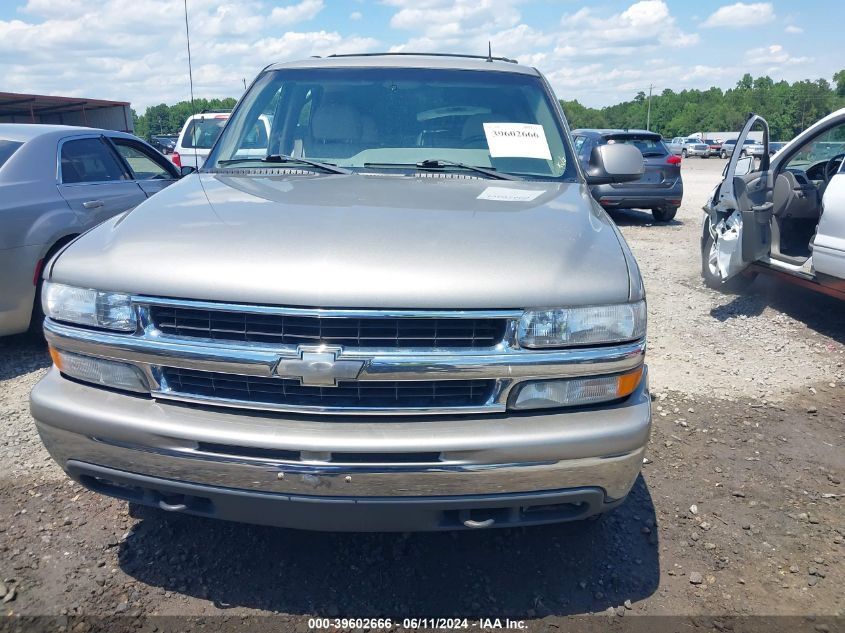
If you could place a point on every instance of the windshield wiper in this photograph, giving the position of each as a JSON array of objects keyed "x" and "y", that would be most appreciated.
[
  {"x": 284, "y": 158},
  {"x": 650, "y": 154},
  {"x": 437, "y": 163}
]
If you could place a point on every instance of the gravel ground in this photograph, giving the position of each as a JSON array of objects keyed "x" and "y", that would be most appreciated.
[{"x": 738, "y": 511}]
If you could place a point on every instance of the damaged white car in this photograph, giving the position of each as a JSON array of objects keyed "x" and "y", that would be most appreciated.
[{"x": 783, "y": 214}]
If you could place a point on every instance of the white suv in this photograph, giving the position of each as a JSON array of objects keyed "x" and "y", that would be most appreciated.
[
  {"x": 200, "y": 132},
  {"x": 197, "y": 137}
]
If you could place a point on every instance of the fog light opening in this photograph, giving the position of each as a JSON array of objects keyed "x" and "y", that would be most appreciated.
[{"x": 99, "y": 371}]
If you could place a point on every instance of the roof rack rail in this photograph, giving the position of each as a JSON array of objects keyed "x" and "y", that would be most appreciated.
[{"x": 485, "y": 57}]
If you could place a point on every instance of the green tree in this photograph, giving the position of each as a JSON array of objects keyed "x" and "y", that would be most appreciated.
[
  {"x": 788, "y": 108},
  {"x": 169, "y": 119}
]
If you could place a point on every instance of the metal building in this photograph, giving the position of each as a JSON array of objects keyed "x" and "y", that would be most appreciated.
[{"x": 24, "y": 108}]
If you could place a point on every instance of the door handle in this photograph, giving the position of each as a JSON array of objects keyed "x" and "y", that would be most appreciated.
[{"x": 93, "y": 204}]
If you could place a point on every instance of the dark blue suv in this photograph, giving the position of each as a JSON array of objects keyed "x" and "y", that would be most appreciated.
[{"x": 660, "y": 189}]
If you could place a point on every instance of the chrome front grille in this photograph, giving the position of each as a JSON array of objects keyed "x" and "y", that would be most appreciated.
[
  {"x": 293, "y": 329},
  {"x": 336, "y": 361},
  {"x": 347, "y": 394}
]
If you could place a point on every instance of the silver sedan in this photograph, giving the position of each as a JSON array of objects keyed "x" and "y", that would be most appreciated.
[{"x": 56, "y": 182}]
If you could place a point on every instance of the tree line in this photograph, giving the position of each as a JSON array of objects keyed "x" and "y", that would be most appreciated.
[
  {"x": 169, "y": 119},
  {"x": 788, "y": 108}
]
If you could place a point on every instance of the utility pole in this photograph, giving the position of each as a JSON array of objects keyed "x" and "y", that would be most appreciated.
[{"x": 648, "y": 116}]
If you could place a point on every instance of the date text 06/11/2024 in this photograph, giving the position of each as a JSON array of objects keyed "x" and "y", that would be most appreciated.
[{"x": 417, "y": 623}]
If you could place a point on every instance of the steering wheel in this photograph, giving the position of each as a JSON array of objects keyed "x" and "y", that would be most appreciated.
[{"x": 831, "y": 166}]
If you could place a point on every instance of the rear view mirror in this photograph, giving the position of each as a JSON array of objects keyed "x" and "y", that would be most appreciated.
[
  {"x": 186, "y": 169},
  {"x": 618, "y": 162}
]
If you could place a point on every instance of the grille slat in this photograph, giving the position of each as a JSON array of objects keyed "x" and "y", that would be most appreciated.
[
  {"x": 386, "y": 332},
  {"x": 360, "y": 394}
]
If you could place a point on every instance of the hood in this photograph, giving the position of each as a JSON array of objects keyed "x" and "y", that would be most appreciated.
[{"x": 358, "y": 241}]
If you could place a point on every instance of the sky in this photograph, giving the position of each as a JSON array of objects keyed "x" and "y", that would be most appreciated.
[{"x": 597, "y": 52}]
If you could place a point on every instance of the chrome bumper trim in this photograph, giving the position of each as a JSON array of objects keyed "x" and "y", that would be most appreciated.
[
  {"x": 258, "y": 360},
  {"x": 615, "y": 474}
]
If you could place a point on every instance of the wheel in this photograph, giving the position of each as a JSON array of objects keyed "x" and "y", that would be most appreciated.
[
  {"x": 724, "y": 154},
  {"x": 684, "y": 153},
  {"x": 36, "y": 322},
  {"x": 710, "y": 272},
  {"x": 664, "y": 214}
]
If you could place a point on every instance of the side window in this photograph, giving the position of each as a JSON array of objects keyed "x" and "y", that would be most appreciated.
[
  {"x": 257, "y": 137},
  {"x": 143, "y": 166},
  {"x": 585, "y": 149},
  {"x": 579, "y": 143},
  {"x": 822, "y": 148},
  {"x": 89, "y": 160}
]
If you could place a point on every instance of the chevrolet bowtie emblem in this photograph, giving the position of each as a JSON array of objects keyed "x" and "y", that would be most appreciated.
[{"x": 319, "y": 367}]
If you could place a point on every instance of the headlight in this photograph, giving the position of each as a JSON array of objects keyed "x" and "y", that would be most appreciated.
[
  {"x": 108, "y": 310},
  {"x": 571, "y": 392},
  {"x": 108, "y": 373},
  {"x": 590, "y": 325}
]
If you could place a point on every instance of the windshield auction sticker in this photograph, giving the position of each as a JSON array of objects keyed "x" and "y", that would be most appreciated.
[{"x": 517, "y": 140}]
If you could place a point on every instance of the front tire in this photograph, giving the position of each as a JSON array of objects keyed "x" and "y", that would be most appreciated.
[
  {"x": 724, "y": 154},
  {"x": 683, "y": 153},
  {"x": 710, "y": 272},
  {"x": 664, "y": 214}
]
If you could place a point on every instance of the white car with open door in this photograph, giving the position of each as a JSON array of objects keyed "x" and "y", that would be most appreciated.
[{"x": 783, "y": 214}]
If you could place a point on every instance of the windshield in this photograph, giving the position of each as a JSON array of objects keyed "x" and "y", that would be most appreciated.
[
  {"x": 388, "y": 118},
  {"x": 201, "y": 133},
  {"x": 7, "y": 148}
]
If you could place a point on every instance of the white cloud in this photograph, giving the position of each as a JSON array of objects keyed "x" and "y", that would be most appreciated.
[
  {"x": 355, "y": 15},
  {"x": 645, "y": 26},
  {"x": 77, "y": 48},
  {"x": 305, "y": 10},
  {"x": 449, "y": 18},
  {"x": 774, "y": 54},
  {"x": 739, "y": 15},
  {"x": 793, "y": 30}
]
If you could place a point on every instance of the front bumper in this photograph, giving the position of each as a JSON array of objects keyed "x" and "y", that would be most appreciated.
[
  {"x": 346, "y": 473},
  {"x": 704, "y": 153}
]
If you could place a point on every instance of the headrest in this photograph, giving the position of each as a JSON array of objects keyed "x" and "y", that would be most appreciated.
[{"x": 334, "y": 123}]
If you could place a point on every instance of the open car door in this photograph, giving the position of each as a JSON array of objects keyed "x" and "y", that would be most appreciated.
[{"x": 741, "y": 209}]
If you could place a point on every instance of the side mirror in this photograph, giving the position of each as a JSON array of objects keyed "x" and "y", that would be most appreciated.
[
  {"x": 617, "y": 162},
  {"x": 186, "y": 169},
  {"x": 744, "y": 166}
]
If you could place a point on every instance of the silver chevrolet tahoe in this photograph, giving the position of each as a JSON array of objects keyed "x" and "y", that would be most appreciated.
[{"x": 406, "y": 312}]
